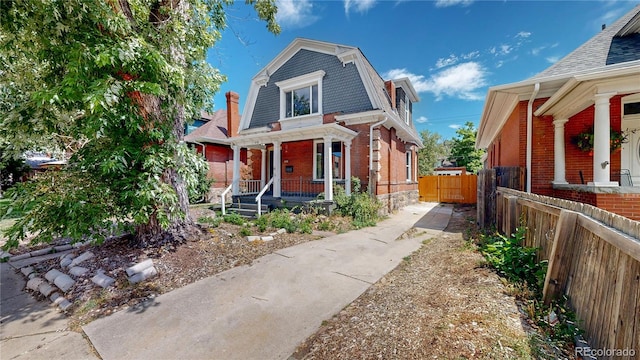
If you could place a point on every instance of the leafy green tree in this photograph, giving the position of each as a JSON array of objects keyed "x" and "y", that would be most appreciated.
[
  {"x": 463, "y": 149},
  {"x": 434, "y": 150},
  {"x": 124, "y": 75}
]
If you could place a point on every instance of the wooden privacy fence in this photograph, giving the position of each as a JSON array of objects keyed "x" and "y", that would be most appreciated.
[
  {"x": 459, "y": 189},
  {"x": 594, "y": 259}
]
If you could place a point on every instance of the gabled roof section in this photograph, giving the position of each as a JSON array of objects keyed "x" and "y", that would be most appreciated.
[
  {"x": 609, "y": 47},
  {"x": 214, "y": 130},
  {"x": 408, "y": 88}
]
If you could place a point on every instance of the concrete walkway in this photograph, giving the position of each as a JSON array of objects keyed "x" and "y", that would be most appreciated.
[
  {"x": 32, "y": 329},
  {"x": 265, "y": 310}
]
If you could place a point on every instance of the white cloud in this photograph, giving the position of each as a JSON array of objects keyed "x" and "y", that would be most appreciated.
[
  {"x": 455, "y": 126},
  {"x": 295, "y": 13},
  {"x": 552, "y": 59},
  {"x": 523, "y": 34},
  {"x": 442, "y": 62},
  {"x": 422, "y": 120},
  {"x": 501, "y": 50},
  {"x": 360, "y": 6},
  {"x": 461, "y": 81},
  {"x": 447, "y": 3}
]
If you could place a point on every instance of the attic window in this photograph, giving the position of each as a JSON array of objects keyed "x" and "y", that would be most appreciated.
[{"x": 301, "y": 95}]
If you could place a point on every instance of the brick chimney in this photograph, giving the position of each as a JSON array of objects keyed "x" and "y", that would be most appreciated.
[
  {"x": 233, "y": 114},
  {"x": 391, "y": 89}
]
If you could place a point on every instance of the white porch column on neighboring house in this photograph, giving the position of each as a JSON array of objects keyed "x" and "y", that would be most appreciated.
[
  {"x": 277, "y": 169},
  {"x": 601, "y": 138},
  {"x": 559, "y": 160},
  {"x": 328, "y": 169},
  {"x": 263, "y": 168},
  {"x": 347, "y": 167},
  {"x": 235, "y": 185}
]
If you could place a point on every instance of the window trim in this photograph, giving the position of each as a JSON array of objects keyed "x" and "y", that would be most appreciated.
[
  {"x": 315, "y": 159},
  {"x": 299, "y": 82},
  {"x": 407, "y": 112},
  {"x": 408, "y": 164}
]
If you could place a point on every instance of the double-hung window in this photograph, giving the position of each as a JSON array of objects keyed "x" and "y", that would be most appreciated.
[
  {"x": 302, "y": 101},
  {"x": 301, "y": 96},
  {"x": 409, "y": 171},
  {"x": 337, "y": 160}
]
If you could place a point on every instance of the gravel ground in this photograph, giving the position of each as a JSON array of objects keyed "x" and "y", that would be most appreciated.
[{"x": 440, "y": 303}]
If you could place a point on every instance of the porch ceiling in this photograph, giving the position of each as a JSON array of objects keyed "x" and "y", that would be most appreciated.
[{"x": 335, "y": 131}]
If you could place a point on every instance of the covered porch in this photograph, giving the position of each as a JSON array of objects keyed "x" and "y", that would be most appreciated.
[{"x": 293, "y": 165}]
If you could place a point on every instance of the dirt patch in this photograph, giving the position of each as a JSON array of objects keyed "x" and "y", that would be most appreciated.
[{"x": 439, "y": 303}]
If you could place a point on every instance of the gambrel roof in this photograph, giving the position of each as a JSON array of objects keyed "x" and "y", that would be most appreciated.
[{"x": 348, "y": 72}]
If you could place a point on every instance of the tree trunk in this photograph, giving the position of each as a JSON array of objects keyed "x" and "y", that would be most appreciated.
[{"x": 180, "y": 228}]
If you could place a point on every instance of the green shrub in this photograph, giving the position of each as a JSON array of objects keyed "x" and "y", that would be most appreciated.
[
  {"x": 234, "y": 218},
  {"x": 513, "y": 260},
  {"x": 214, "y": 222},
  {"x": 245, "y": 231},
  {"x": 362, "y": 208}
]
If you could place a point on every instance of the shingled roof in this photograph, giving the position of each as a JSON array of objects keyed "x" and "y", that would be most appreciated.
[
  {"x": 609, "y": 47},
  {"x": 214, "y": 128}
]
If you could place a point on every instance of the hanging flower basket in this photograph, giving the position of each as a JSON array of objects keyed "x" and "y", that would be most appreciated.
[{"x": 584, "y": 140}]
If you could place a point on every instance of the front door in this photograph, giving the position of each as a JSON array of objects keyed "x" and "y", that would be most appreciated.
[{"x": 630, "y": 156}]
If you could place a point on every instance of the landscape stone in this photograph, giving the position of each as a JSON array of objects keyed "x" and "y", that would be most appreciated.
[
  {"x": 78, "y": 271},
  {"x": 144, "y": 275},
  {"x": 62, "y": 247},
  {"x": 20, "y": 257},
  {"x": 52, "y": 275},
  {"x": 46, "y": 289},
  {"x": 26, "y": 271},
  {"x": 64, "y": 282},
  {"x": 281, "y": 231},
  {"x": 62, "y": 303},
  {"x": 34, "y": 283},
  {"x": 41, "y": 252},
  {"x": 266, "y": 238},
  {"x": 4, "y": 255},
  {"x": 82, "y": 258},
  {"x": 103, "y": 280},
  {"x": 139, "y": 267},
  {"x": 253, "y": 238}
]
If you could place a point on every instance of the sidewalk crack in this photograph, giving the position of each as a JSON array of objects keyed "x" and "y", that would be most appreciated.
[{"x": 353, "y": 277}]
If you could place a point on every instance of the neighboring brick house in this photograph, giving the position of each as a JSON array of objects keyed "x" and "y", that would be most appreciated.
[
  {"x": 531, "y": 124},
  {"x": 211, "y": 138},
  {"x": 317, "y": 98}
]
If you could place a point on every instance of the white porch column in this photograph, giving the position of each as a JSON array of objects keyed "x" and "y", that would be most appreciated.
[
  {"x": 277, "y": 169},
  {"x": 328, "y": 169},
  {"x": 263, "y": 168},
  {"x": 601, "y": 138},
  {"x": 347, "y": 167},
  {"x": 235, "y": 184},
  {"x": 559, "y": 159}
]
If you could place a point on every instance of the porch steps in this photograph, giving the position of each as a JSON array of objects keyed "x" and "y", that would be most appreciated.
[{"x": 247, "y": 209}]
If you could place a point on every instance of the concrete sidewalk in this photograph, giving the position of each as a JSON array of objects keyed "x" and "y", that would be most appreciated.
[
  {"x": 32, "y": 329},
  {"x": 265, "y": 310}
]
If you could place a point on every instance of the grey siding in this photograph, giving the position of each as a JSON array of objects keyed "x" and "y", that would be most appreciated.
[{"x": 342, "y": 87}]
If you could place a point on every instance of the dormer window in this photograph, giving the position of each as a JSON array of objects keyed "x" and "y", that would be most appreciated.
[
  {"x": 301, "y": 95},
  {"x": 407, "y": 111},
  {"x": 302, "y": 101}
]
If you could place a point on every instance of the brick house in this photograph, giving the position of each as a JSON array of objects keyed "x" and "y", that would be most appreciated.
[
  {"x": 596, "y": 88},
  {"x": 319, "y": 114},
  {"x": 211, "y": 139}
]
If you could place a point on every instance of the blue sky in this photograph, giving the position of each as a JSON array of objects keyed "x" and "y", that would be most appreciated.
[{"x": 452, "y": 50}]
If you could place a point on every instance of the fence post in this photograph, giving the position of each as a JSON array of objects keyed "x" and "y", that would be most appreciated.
[
  {"x": 560, "y": 258},
  {"x": 512, "y": 218}
]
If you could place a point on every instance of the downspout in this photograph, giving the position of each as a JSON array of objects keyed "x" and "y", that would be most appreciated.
[
  {"x": 536, "y": 88},
  {"x": 371, "y": 151}
]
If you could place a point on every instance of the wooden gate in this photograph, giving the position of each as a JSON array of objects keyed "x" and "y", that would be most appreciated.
[{"x": 461, "y": 189}]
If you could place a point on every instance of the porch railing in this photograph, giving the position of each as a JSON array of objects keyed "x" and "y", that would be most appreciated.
[
  {"x": 223, "y": 198},
  {"x": 259, "y": 197},
  {"x": 248, "y": 187},
  {"x": 302, "y": 188}
]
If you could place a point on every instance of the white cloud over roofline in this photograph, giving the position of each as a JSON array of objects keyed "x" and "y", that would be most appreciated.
[
  {"x": 360, "y": 6},
  {"x": 461, "y": 81},
  {"x": 294, "y": 14}
]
